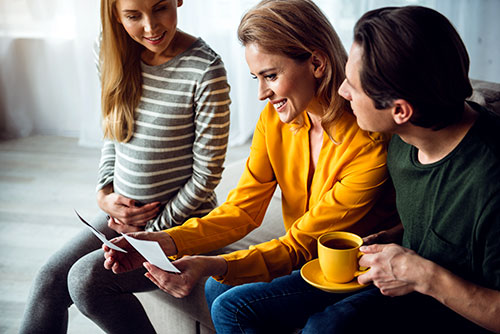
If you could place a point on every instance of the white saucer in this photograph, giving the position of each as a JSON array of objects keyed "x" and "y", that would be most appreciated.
[{"x": 311, "y": 273}]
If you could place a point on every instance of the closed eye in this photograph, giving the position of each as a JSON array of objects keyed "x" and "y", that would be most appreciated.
[{"x": 270, "y": 77}]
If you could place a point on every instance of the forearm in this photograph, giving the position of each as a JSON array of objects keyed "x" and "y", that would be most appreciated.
[{"x": 478, "y": 304}]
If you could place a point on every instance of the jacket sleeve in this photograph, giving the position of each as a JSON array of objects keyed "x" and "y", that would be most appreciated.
[
  {"x": 343, "y": 207},
  {"x": 242, "y": 212}
]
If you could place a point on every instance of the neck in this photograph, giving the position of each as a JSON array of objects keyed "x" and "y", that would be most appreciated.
[
  {"x": 315, "y": 112},
  {"x": 435, "y": 145}
]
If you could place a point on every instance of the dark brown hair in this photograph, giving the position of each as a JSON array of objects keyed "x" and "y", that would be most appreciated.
[{"x": 414, "y": 53}]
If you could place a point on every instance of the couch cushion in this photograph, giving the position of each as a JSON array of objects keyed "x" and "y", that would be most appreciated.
[{"x": 486, "y": 94}]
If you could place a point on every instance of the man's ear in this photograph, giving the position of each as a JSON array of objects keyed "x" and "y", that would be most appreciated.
[
  {"x": 179, "y": 3},
  {"x": 318, "y": 62},
  {"x": 402, "y": 111}
]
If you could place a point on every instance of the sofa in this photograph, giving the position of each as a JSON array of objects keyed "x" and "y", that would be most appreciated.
[{"x": 190, "y": 315}]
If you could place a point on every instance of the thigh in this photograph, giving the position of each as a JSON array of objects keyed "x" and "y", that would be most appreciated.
[
  {"x": 214, "y": 289},
  {"x": 346, "y": 315},
  {"x": 369, "y": 309},
  {"x": 57, "y": 266},
  {"x": 282, "y": 304},
  {"x": 89, "y": 278}
]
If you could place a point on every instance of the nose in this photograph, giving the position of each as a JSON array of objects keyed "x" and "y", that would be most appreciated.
[
  {"x": 343, "y": 91},
  {"x": 149, "y": 24},
  {"x": 264, "y": 91}
]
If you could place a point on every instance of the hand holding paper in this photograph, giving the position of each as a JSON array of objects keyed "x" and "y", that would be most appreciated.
[
  {"x": 149, "y": 249},
  {"x": 152, "y": 252},
  {"x": 101, "y": 236}
]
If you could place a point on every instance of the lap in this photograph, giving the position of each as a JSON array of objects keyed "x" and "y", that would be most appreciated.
[
  {"x": 285, "y": 302},
  {"x": 413, "y": 313}
]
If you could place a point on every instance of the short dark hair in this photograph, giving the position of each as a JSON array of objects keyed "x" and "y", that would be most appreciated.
[{"x": 414, "y": 53}]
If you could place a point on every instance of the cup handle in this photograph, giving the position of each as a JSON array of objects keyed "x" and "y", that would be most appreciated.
[{"x": 361, "y": 270}]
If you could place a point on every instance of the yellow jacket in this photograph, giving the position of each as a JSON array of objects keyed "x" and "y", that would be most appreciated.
[{"x": 348, "y": 181}]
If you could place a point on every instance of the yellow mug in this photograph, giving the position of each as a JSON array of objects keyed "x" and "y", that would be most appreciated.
[{"x": 338, "y": 254}]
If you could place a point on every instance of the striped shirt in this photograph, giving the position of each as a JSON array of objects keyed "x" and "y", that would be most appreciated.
[{"x": 181, "y": 129}]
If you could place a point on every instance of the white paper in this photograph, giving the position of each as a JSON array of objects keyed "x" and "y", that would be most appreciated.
[
  {"x": 152, "y": 252},
  {"x": 101, "y": 236}
]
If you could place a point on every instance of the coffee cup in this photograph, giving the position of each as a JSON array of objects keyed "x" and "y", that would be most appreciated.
[{"x": 338, "y": 254}]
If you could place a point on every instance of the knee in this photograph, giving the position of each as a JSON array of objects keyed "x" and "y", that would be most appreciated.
[
  {"x": 84, "y": 284},
  {"x": 223, "y": 311},
  {"x": 51, "y": 276},
  {"x": 213, "y": 289}
]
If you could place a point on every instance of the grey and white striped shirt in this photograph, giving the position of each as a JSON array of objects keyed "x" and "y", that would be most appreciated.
[{"x": 181, "y": 129}]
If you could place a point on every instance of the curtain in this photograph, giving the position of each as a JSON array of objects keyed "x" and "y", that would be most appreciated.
[{"x": 48, "y": 79}]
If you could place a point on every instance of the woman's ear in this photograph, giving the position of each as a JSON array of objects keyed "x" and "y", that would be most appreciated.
[
  {"x": 318, "y": 61},
  {"x": 402, "y": 111}
]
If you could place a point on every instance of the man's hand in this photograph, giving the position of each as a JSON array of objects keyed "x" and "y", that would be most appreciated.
[
  {"x": 395, "y": 270},
  {"x": 392, "y": 235}
]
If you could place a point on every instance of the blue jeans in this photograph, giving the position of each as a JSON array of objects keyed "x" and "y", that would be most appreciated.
[
  {"x": 373, "y": 312},
  {"x": 279, "y": 306}
]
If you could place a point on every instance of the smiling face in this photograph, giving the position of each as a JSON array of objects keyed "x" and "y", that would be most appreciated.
[
  {"x": 368, "y": 117},
  {"x": 151, "y": 23},
  {"x": 289, "y": 85}
]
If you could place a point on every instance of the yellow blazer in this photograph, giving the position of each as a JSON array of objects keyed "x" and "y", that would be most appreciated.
[{"x": 344, "y": 193}]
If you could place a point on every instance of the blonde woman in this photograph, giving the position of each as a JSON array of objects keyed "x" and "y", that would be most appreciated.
[
  {"x": 165, "y": 111},
  {"x": 332, "y": 176}
]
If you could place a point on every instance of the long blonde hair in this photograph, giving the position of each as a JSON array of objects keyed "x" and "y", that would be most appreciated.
[
  {"x": 296, "y": 29},
  {"x": 121, "y": 78}
]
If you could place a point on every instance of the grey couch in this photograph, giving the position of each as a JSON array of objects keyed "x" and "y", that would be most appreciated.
[{"x": 190, "y": 315}]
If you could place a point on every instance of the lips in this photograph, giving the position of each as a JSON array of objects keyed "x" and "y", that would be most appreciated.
[
  {"x": 279, "y": 104},
  {"x": 155, "y": 39}
]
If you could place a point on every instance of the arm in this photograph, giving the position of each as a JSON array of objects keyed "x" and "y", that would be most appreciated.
[
  {"x": 350, "y": 186},
  {"x": 397, "y": 271},
  {"x": 211, "y": 103}
]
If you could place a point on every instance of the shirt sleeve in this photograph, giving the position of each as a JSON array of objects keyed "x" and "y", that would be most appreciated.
[
  {"x": 106, "y": 170},
  {"x": 209, "y": 148},
  {"x": 487, "y": 236}
]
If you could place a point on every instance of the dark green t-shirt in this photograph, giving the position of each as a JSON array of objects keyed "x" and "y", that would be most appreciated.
[{"x": 450, "y": 209}]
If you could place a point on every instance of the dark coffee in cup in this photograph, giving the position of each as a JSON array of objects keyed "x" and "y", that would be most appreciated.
[{"x": 340, "y": 244}]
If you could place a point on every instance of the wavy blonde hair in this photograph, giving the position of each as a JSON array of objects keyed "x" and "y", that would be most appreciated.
[
  {"x": 296, "y": 29},
  {"x": 121, "y": 79}
]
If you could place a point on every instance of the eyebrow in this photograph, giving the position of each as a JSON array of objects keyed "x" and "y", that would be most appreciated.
[
  {"x": 134, "y": 10},
  {"x": 265, "y": 71}
]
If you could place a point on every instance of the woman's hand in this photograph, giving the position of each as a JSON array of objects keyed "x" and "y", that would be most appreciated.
[
  {"x": 125, "y": 211},
  {"x": 119, "y": 227},
  {"x": 192, "y": 268},
  {"x": 120, "y": 262}
]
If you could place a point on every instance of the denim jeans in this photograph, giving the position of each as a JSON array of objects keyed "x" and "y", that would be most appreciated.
[
  {"x": 370, "y": 311},
  {"x": 279, "y": 306}
]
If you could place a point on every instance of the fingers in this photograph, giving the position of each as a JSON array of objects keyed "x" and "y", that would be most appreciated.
[
  {"x": 371, "y": 249},
  {"x": 137, "y": 216},
  {"x": 174, "y": 284}
]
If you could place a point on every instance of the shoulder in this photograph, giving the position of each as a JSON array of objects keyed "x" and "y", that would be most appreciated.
[
  {"x": 486, "y": 130},
  {"x": 347, "y": 130},
  {"x": 201, "y": 53}
]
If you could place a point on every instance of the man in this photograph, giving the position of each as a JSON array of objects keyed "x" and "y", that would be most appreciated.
[{"x": 407, "y": 74}]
